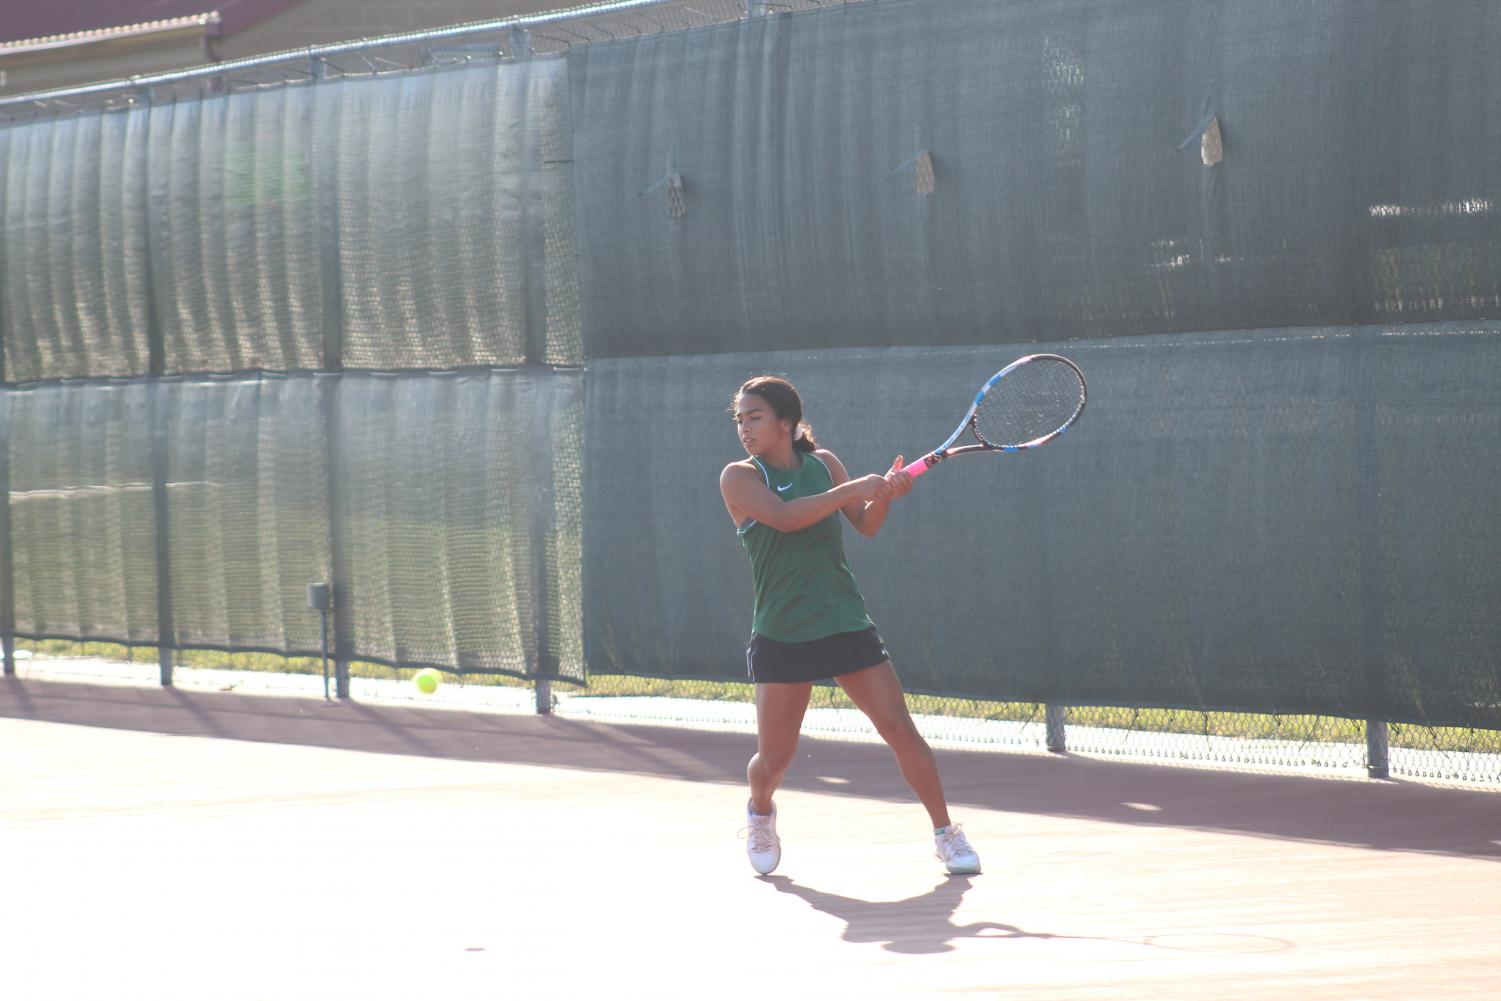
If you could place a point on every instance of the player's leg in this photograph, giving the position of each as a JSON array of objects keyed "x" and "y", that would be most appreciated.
[
  {"x": 779, "y": 718},
  {"x": 878, "y": 693},
  {"x": 780, "y": 709}
]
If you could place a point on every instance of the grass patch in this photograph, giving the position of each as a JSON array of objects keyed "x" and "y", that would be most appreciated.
[
  {"x": 269, "y": 663},
  {"x": 1247, "y": 726},
  {"x": 822, "y": 697}
]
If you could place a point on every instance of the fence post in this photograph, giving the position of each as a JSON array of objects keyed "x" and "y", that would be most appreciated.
[
  {"x": 1371, "y": 567},
  {"x": 338, "y": 591},
  {"x": 521, "y": 43},
  {"x": 166, "y": 629},
  {"x": 545, "y": 667},
  {"x": 7, "y": 574},
  {"x": 1377, "y": 762},
  {"x": 156, "y": 368},
  {"x": 329, "y": 381},
  {"x": 1056, "y": 740},
  {"x": 535, "y": 368},
  {"x": 543, "y": 689}
]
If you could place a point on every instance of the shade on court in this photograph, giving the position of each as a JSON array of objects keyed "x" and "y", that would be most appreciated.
[{"x": 270, "y": 847}]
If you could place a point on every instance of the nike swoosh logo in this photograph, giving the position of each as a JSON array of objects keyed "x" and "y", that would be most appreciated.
[{"x": 787, "y": 487}]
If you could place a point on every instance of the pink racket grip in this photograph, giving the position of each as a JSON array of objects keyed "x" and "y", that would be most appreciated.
[{"x": 920, "y": 466}]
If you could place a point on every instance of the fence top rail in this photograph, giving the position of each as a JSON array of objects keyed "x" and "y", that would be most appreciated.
[{"x": 503, "y": 38}]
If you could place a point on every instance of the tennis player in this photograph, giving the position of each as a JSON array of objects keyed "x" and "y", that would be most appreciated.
[{"x": 810, "y": 621}]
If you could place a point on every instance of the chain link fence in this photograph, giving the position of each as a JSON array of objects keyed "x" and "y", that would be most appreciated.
[{"x": 320, "y": 315}]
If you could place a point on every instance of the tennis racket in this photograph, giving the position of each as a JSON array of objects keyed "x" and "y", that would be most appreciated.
[{"x": 1028, "y": 403}]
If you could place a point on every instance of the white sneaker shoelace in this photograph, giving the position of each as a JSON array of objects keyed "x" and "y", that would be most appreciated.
[
  {"x": 762, "y": 834},
  {"x": 954, "y": 848}
]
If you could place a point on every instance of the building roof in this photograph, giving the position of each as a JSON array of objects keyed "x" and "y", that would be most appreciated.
[{"x": 36, "y": 20}]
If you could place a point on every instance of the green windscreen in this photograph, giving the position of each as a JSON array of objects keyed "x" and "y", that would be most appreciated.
[
  {"x": 452, "y": 325},
  {"x": 1293, "y": 520}
]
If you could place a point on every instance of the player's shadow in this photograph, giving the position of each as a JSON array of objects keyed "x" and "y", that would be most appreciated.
[
  {"x": 920, "y": 924},
  {"x": 925, "y": 924}
]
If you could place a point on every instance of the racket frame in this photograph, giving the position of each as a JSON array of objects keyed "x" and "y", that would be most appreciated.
[{"x": 948, "y": 448}]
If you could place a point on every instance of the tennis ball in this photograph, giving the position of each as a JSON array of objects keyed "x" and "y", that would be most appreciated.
[{"x": 427, "y": 681}]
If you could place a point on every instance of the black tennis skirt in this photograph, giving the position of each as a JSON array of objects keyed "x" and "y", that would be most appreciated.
[{"x": 769, "y": 661}]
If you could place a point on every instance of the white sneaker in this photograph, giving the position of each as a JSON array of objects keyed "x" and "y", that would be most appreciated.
[
  {"x": 953, "y": 848},
  {"x": 761, "y": 842}
]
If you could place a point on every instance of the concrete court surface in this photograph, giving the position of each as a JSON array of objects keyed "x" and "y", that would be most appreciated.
[{"x": 161, "y": 844}]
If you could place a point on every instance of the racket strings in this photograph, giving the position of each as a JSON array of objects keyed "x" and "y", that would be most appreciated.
[{"x": 1030, "y": 402}]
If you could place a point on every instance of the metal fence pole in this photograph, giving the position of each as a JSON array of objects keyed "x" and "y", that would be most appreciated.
[
  {"x": 1377, "y": 761},
  {"x": 7, "y": 575},
  {"x": 156, "y": 347},
  {"x": 543, "y": 690},
  {"x": 521, "y": 43},
  {"x": 338, "y": 589},
  {"x": 329, "y": 382},
  {"x": 1056, "y": 740},
  {"x": 545, "y": 665},
  {"x": 166, "y": 630},
  {"x": 1371, "y": 565},
  {"x": 536, "y": 368}
]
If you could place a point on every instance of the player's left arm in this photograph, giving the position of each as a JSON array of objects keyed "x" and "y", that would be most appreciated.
[{"x": 868, "y": 516}]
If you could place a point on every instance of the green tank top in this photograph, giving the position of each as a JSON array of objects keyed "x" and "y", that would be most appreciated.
[{"x": 804, "y": 587}]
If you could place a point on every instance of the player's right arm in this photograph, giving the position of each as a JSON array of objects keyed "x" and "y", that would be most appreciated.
[{"x": 746, "y": 496}]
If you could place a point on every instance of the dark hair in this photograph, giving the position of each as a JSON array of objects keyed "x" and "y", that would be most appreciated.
[{"x": 785, "y": 403}]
